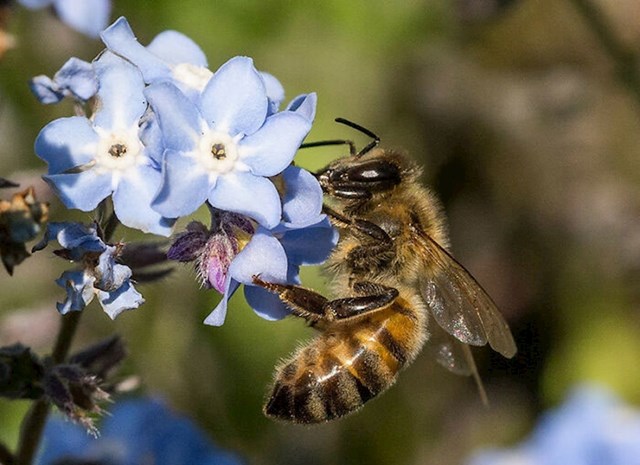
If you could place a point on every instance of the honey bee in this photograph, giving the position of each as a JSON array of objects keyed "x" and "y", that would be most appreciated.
[{"x": 399, "y": 288}]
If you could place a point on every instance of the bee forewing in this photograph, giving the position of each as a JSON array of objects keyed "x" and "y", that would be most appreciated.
[{"x": 460, "y": 305}]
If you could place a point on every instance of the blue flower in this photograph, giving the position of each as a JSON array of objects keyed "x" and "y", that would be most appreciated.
[
  {"x": 92, "y": 158},
  {"x": 138, "y": 431},
  {"x": 100, "y": 276},
  {"x": 86, "y": 16},
  {"x": 76, "y": 79},
  {"x": 223, "y": 147},
  {"x": 235, "y": 249},
  {"x": 593, "y": 427},
  {"x": 171, "y": 56}
]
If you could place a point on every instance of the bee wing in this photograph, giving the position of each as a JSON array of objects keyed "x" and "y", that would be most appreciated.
[
  {"x": 454, "y": 356},
  {"x": 460, "y": 305},
  {"x": 447, "y": 351}
]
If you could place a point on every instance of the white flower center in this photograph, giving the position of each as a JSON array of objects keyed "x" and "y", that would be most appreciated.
[
  {"x": 218, "y": 152},
  {"x": 192, "y": 76},
  {"x": 118, "y": 150}
]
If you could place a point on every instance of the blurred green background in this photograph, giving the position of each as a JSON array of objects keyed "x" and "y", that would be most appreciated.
[{"x": 525, "y": 131}]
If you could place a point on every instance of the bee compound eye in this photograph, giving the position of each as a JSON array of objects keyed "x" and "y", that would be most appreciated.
[{"x": 375, "y": 172}]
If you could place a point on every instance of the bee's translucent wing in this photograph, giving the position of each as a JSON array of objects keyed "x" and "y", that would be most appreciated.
[
  {"x": 454, "y": 356},
  {"x": 458, "y": 303},
  {"x": 447, "y": 351}
]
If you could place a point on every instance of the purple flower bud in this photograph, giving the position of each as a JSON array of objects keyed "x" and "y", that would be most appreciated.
[
  {"x": 189, "y": 244},
  {"x": 213, "y": 249},
  {"x": 214, "y": 264}
]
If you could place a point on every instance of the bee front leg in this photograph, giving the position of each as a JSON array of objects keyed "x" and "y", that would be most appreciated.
[
  {"x": 365, "y": 227},
  {"x": 316, "y": 308}
]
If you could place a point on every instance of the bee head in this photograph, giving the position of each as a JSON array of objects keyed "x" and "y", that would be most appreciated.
[
  {"x": 370, "y": 173},
  {"x": 378, "y": 171}
]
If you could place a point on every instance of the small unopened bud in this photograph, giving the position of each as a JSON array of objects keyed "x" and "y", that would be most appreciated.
[{"x": 213, "y": 249}]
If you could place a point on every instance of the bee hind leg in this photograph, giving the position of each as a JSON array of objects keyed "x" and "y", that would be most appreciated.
[
  {"x": 303, "y": 302},
  {"x": 371, "y": 297},
  {"x": 315, "y": 308}
]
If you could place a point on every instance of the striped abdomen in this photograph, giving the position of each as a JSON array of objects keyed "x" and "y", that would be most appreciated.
[{"x": 348, "y": 364}]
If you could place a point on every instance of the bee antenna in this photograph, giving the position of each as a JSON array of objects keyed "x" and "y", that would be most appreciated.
[
  {"x": 322, "y": 143},
  {"x": 352, "y": 146},
  {"x": 357, "y": 127}
]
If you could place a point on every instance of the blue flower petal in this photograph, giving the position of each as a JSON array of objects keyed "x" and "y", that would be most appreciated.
[
  {"x": 293, "y": 273},
  {"x": 87, "y": 16},
  {"x": 121, "y": 101},
  {"x": 67, "y": 143},
  {"x": 275, "y": 91},
  {"x": 151, "y": 137},
  {"x": 248, "y": 195},
  {"x": 184, "y": 187},
  {"x": 77, "y": 238},
  {"x": 124, "y": 298},
  {"x": 110, "y": 276},
  {"x": 119, "y": 38},
  {"x": 304, "y": 105},
  {"x": 79, "y": 287},
  {"x": 302, "y": 201},
  {"x": 174, "y": 48},
  {"x": 235, "y": 99},
  {"x": 262, "y": 256},
  {"x": 136, "y": 431},
  {"x": 178, "y": 117},
  {"x": 79, "y": 77},
  {"x": 63, "y": 439},
  {"x": 591, "y": 427},
  {"x": 45, "y": 90},
  {"x": 266, "y": 304},
  {"x": 270, "y": 150},
  {"x": 132, "y": 201},
  {"x": 311, "y": 245},
  {"x": 83, "y": 191},
  {"x": 148, "y": 432},
  {"x": 218, "y": 315}
]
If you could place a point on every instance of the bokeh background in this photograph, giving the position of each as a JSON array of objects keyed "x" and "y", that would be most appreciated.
[{"x": 525, "y": 116}]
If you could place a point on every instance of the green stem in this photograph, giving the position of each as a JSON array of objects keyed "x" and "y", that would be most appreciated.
[
  {"x": 625, "y": 60},
  {"x": 36, "y": 418}
]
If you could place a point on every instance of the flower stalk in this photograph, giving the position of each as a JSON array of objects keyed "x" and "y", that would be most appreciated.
[{"x": 35, "y": 420}]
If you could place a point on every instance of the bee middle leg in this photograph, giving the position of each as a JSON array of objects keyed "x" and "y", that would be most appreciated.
[{"x": 316, "y": 308}]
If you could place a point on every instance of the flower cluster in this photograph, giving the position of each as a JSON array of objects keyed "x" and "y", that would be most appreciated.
[
  {"x": 99, "y": 274},
  {"x": 163, "y": 135},
  {"x": 592, "y": 427}
]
